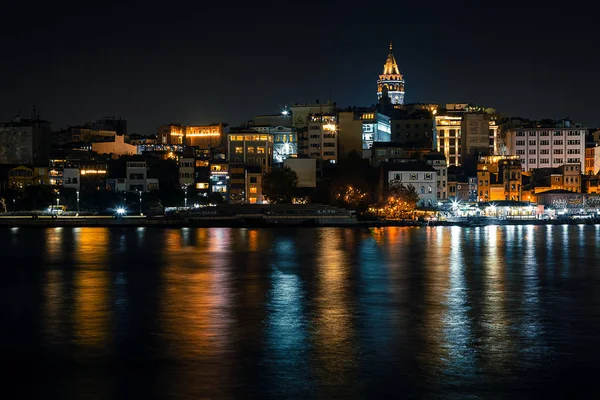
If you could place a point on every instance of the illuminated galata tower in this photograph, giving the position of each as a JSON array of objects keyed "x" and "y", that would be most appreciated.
[{"x": 391, "y": 81}]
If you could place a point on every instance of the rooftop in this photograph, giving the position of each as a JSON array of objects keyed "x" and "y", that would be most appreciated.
[{"x": 408, "y": 165}]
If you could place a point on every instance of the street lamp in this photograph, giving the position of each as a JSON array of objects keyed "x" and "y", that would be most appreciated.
[
  {"x": 185, "y": 202},
  {"x": 140, "y": 202},
  {"x": 14, "y": 204},
  {"x": 77, "y": 200}
]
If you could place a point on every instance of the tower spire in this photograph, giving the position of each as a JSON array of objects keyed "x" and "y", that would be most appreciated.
[{"x": 391, "y": 82}]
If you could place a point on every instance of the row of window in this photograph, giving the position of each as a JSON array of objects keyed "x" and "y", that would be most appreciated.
[
  {"x": 250, "y": 137},
  {"x": 425, "y": 125},
  {"x": 547, "y": 142},
  {"x": 554, "y": 161},
  {"x": 547, "y": 133},
  {"x": 250, "y": 149},
  {"x": 547, "y": 151},
  {"x": 415, "y": 176}
]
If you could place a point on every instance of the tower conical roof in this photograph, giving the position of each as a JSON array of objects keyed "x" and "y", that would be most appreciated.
[{"x": 391, "y": 67}]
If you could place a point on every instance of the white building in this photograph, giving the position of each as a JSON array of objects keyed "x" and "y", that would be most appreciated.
[
  {"x": 438, "y": 162},
  {"x": 420, "y": 175},
  {"x": 71, "y": 178},
  {"x": 136, "y": 176},
  {"x": 547, "y": 147}
]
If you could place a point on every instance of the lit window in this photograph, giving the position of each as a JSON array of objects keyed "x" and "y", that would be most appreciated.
[
  {"x": 260, "y": 150},
  {"x": 201, "y": 185},
  {"x": 251, "y": 149},
  {"x": 253, "y": 189},
  {"x": 239, "y": 150}
]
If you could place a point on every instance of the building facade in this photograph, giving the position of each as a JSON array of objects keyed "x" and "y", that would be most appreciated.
[
  {"x": 219, "y": 179},
  {"x": 136, "y": 175},
  {"x": 322, "y": 137},
  {"x": 479, "y": 135},
  {"x": 116, "y": 146},
  {"x": 414, "y": 130},
  {"x": 202, "y": 136},
  {"x": 254, "y": 185},
  {"x": 499, "y": 178},
  {"x": 187, "y": 176},
  {"x": 23, "y": 176},
  {"x": 250, "y": 148},
  {"x": 592, "y": 160},
  {"x": 447, "y": 137},
  {"x": 285, "y": 143},
  {"x": 540, "y": 146},
  {"x": 25, "y": 141},
  {"x": 438, "y": 162},
  {"x": 420, "y": 175}
]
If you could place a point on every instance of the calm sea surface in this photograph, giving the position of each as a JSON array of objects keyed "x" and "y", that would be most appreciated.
[{"x": 442, "y": 312}]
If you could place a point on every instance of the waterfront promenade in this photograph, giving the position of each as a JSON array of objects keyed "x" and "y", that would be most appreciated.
[{"x": 233, "y": 221}]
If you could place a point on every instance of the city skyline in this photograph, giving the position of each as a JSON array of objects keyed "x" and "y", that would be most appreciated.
[{"x": 157, "y": 66}]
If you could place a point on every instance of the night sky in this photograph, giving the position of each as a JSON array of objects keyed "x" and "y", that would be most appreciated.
[{"x": 158, "y": 63}]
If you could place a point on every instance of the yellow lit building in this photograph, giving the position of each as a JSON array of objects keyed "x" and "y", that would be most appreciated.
[
  {"x": 250, "y": 148},
  {"x": 592, "y": 160},
  {"x": 447, "y": 137},
  {"x": 254, "y": 186},
  {"x": 202, "y": 136},
  {"x": 499, "y": 178},
  {"x": 116, "y": 147},
  {"x": 22, "y": 176}
]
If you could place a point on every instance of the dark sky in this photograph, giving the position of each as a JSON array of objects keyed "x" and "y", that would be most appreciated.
[{"x": 195, "y": 64}]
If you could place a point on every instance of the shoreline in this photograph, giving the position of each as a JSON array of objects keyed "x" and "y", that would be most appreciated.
[{"x": 136, "y": 221}]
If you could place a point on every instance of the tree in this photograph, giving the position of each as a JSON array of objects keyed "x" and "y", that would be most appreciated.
[
  {"x": 402, "y": 199},
  {"x": 351, "y": 186},
  {"x": 279, "y": 185},
  {"x": 3, "y": 205},
  {"x": 351, "y": 197}
]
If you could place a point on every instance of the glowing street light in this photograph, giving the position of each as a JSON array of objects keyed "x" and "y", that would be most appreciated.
[
  {"x": 120, "y": 211},
  {"x": 285, "y": 112},
  {"x": 77, "y": 200}
]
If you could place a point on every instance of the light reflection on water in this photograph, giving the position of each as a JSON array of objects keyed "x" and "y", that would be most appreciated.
[{"x": 296, "y": 313}]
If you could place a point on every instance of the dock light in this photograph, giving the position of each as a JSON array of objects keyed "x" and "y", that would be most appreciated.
[{"x": 120, "y": 211}]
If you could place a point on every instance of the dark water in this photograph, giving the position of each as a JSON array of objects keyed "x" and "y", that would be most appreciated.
[{"x": 492, "y": 312}]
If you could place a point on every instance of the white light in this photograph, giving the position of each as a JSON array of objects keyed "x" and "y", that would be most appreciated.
[
  {"x": 120, "y": 210},
  {"x": 285, "y": 112}
]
